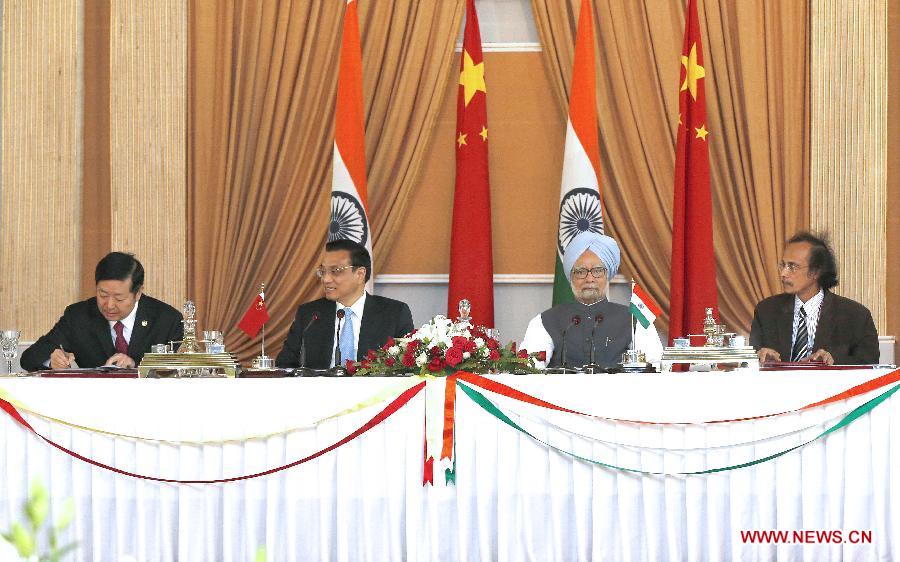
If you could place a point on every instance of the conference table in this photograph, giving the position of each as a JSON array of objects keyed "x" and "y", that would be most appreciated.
[{"x": 635, "y": 467}]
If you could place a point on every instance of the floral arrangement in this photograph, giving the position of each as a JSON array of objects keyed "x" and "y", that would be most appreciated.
[{"x": 442, "y": 347}]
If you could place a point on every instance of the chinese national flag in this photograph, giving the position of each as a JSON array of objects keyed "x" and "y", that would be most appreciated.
[
  {"x": 255, "y": 317},
  {"x": 693, "y": 283},
  {"x": 471, "y": 252}
]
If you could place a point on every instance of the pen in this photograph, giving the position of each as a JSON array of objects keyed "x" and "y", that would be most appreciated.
[{"x": 64, "y": 351}]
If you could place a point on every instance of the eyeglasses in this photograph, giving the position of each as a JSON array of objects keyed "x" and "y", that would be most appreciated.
[
  {"x": 333, "y": 271},
  {"x": 790, "y": 266},
  {"x": 582, "y": 272}
]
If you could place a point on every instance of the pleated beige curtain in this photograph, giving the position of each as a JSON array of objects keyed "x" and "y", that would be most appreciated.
[
  {"x": 757, "y": 69},
  {"x": 262, "y": 80}
]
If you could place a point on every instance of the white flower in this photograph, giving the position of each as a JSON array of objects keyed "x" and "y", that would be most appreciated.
[
  {"x": 484, "y": 351},
  {"x": 466, "y": 355},
  {"x": 394, "y": 350},
  {"x": 421, "y": 359},
  {"x": 479, "y": 342}
]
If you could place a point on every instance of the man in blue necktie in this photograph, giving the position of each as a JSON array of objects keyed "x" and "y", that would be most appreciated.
[
  {"x": 347, "y": 322},
  {"x": 808, "y": 322}
]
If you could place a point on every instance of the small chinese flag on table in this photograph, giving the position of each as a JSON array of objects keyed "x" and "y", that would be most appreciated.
[{"x": 255, "y": 317}]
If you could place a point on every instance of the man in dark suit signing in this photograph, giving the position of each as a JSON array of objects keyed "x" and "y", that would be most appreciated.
[
  {"x": 808, "y": 322},
  {"x": 116, "y": 327},
  {"x": 366, "y": 321}
]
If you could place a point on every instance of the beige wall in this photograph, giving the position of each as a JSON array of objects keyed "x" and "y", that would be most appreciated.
[{"x": 526, "y": 133}]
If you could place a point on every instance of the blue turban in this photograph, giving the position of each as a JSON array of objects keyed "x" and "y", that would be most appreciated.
[{"x": 604, "y": 246}]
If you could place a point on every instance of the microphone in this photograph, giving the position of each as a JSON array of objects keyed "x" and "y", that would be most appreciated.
[
  {"x": 576, "y": 320},
  {"x": 337, "y": 339},
  {"x": 597, "y": 319},
  {"x": 309, "y": 324}
]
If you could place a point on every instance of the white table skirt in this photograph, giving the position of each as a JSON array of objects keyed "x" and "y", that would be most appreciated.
[{"x": 515, "y": 499}]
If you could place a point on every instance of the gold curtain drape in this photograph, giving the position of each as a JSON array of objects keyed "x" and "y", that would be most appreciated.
[
  {"x": 757, "y": 91},
  {"x": 262, "y": 79}
]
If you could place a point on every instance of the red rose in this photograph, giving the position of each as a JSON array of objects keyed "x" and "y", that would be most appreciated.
[
  {"x": 409, "y": 360},
  {"x": 478, "y": 333},
  {"x": 459, "y": 341},
  {"x": 390, "y": 361},
  {"x": 412, "y": 346},
  {"x": 390, "y": 343},
  {"x": 365, "y": 364},
  {"x": 542, "y": 356},
  {"x": 351, "y": 367},
  {"x": 435, "y": 365},
  {"x": 522, "y": 354},
  {"x": 371, "y": 355},
  {"x": 470, "y": 346},
  {"x": 495, "y": 355},
  {"x": 435, "y": 351},
  {"x": 513, "y": 346},
  {"x": 492, "y": 343},
  {"x": 454, "y": 356}
]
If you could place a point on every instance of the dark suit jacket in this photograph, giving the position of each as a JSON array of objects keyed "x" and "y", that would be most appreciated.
[
  {"x": 382, "y": 318},
  {"x": 845, "y": 330},
  {"x": 82, "y": 330}
]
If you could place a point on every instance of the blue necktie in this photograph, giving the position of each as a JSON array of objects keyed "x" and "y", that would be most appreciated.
[{"x": 348, "y": 348}]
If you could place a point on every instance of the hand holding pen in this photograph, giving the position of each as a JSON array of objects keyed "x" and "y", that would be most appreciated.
[{"x": 61, "y": 359}]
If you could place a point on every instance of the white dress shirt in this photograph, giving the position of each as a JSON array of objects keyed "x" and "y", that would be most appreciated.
[
  {"x": 128, "y": 322},
  {"x": 357, "y": 309}
]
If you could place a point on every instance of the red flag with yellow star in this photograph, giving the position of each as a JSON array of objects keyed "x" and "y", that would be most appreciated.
[
  {"x": 693, "y": 284},
  {"x": 471, "y": 252}
]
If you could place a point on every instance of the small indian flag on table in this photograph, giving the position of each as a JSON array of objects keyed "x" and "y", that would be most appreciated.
[{"x": 642, "y": 306}]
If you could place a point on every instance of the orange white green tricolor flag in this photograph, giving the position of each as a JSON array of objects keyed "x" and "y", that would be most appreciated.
[
  {"x": 693, "y": 282},
  {"x": 471, "y": 248},
  {"x": 580, "y": 201},
  {"x": 643, "y": 308},
  {"x": 349, "y": 199}
]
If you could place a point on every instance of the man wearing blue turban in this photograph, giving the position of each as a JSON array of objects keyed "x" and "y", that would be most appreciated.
[{"x": 574, "y": 328}]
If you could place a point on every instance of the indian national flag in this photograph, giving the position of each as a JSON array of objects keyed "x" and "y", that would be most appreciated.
[
  {"x": 642, "y": 306},
  {"x": 580, "y": 203},
  {"x": 349, "y": 200}
]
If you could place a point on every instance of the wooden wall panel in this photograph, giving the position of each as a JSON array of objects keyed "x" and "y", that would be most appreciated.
[
  {"x": 148, "y": 81},
  {"x": 848, "y": 100},
  {"x": 893, "y": 171},
  {"x": 40, "y": 171}
]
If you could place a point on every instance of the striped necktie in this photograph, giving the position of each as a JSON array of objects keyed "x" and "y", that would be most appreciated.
[{"x": 801, "y": 344}]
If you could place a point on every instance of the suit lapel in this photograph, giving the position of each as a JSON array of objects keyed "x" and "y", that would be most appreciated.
[
  {"x": 320, "y": 342},
  {"x": 786, "y": 328},
  {"x": 100, "y": 328},
  {"x": 826, "y": 323},
  {"x": 140, "y": 331},
  {"x": 368, "y": 328}
]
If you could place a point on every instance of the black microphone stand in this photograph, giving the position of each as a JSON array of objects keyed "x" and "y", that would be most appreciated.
[
  {"x": 592, "y": 367},
  {"x": 338, "y": 370},
  {"x": 303, "y": 370},
  {"x": 563, "y": 368}
]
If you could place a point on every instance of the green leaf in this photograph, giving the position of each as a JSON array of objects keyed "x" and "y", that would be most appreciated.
[
  {"x": 68, "y": 514},
  {"x": 22, "y": 540},
  {"x": 38, "y": 505},
  {"x": 58, "y": 555}
]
